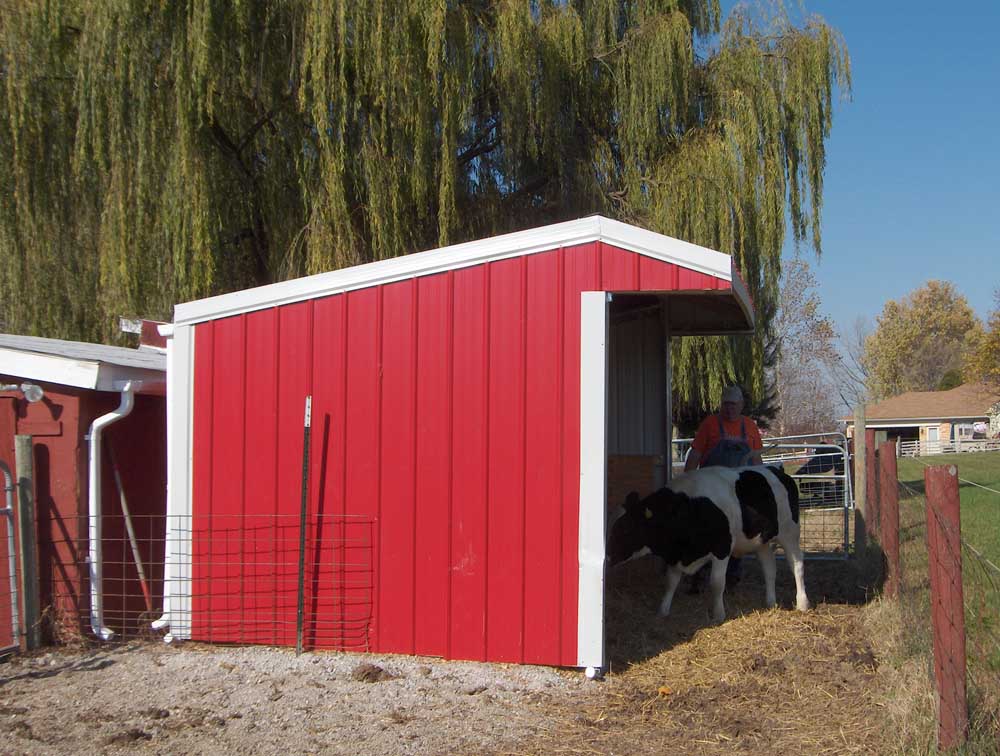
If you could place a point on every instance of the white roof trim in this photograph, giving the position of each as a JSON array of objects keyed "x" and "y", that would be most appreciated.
[
  {"x": 96, "y": 374},
  {"x": 570, "y": 233}
]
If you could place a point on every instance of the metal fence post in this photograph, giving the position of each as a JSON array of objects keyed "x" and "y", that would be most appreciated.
[
  {"x": 947, "y": 606},
  {"x": 27, "y": 539},
  {"x": 889, "y": 513}
]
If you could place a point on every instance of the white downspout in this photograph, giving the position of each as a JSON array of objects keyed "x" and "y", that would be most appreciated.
[{"x": 94, "y": 497}]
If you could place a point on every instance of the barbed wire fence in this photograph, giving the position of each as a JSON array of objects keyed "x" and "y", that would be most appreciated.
[{"x": 948, "y": 593}]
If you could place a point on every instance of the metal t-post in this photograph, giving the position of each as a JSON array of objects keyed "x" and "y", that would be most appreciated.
[{"x": 300, "y": 615}]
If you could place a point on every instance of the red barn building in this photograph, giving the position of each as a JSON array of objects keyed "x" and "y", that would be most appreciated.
[
  {"x": 100, "y": 408},
  {"x": 465, "y": 402}
]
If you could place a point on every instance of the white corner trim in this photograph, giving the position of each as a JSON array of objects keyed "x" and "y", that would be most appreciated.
[
  {"x": 532, "y": 241},
  {"x": 180, "y": 429},
  {"x": 593, "y": 477}
]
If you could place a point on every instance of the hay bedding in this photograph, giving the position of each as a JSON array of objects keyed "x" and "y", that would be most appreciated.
[{"x": 782, "y": 680}]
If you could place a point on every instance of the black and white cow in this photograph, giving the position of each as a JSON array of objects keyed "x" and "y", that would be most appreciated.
[{"x": 708, "y": 515}]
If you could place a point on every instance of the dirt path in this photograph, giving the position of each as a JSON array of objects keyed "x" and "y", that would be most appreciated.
[{"x": 802, "y": 683}]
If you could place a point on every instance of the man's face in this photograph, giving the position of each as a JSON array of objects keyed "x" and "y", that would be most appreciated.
[{"x": 731, "y": 410}]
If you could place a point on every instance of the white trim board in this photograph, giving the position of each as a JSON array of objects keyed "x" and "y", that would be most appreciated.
[
  {"x": 80, "y": 373},
  {"x": 593, "y": 477},
  {"x": 532, "y": 241},
  {"x": 180, "y": 445}
]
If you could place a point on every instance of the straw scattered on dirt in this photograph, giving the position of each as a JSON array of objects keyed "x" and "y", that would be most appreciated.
[{"x": 799, "y": 683}]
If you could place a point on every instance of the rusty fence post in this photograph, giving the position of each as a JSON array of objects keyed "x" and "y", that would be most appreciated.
[
  {"x": 871, "y": 482},
  {"x": 947, "y": 607},
  {"x": 889, "y": 512}
]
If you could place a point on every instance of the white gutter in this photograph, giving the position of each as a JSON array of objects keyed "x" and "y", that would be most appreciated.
[{"x": 94, "y": 497}]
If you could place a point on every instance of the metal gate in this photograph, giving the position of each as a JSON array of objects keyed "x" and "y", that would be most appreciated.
[{"x": 820, "y": 464}]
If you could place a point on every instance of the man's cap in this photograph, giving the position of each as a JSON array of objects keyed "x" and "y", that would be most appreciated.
[{"x": 732, "y": 394}]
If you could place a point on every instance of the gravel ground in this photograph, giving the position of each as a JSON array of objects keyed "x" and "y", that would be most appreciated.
[
  {"x": 761, "y": 682},
  {"x": 192, "y": 699}
]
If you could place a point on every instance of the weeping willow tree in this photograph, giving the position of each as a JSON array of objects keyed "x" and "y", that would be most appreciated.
[{"x": 154, "y": 152}]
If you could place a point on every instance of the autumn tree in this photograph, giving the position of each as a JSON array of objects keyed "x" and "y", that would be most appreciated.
[
  {"x": 806, "y": 398},
  {"x": 153, "y": 152},
  {"x": 918, "y": 340},
  {"x": 982, "y": 362}
]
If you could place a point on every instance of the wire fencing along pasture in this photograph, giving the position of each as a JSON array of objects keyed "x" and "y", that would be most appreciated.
[{"x": 949, "y": 598}]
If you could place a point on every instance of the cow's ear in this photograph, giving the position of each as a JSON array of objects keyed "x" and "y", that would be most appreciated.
[
  {"x": 631, "y": 501},
  {"x": 648, "y": 513}
]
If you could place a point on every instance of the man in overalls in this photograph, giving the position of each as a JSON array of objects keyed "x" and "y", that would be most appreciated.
[{"x": 726, "y": 439}]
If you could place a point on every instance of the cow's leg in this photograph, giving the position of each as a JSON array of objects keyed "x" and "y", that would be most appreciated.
[
  {"x": 673, "y": 578},
  {"x": 766, "y": 557},
  {"x": 718, "y": 581},
  {"x": 793, "y": 553}
]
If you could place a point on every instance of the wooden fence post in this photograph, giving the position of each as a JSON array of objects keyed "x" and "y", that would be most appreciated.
[
  {"x": 889, "y": 512},
  {"x": 872, "y": 515},
  {"x": 27, "y": 543},
  {"x": 860, "y": 487},
  {"x": 947, "y": 608}
]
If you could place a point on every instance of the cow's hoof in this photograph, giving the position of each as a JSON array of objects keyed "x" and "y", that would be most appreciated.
[{"x": 803, "y": 606}]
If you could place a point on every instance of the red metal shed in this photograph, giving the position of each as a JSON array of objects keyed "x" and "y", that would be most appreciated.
[
  {"x": 457, "y": 480},
  {"x": 87, "y": 575}
]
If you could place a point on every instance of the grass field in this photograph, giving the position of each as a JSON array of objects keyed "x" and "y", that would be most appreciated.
[{"x": 980, "y": 507}]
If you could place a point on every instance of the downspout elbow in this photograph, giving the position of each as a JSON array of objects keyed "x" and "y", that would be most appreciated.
[{"x": 94, "y": 557}]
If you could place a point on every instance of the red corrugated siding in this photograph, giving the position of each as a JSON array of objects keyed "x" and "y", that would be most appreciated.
[
  {"x": 470, "y": 347},
  {"x": 446, "y": 411},
  {"x": 260, "y": 479}
]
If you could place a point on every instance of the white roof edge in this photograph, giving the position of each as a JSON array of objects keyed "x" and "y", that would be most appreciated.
[
  {"x": 69, "y": 371},
  {"x": 566, "y": 234}
]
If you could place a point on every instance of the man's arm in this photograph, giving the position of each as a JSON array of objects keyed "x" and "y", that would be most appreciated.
[{"x": 756, "y": 444}]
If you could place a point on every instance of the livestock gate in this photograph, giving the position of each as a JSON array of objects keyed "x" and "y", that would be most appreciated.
[{"x": 820, "y": 463}]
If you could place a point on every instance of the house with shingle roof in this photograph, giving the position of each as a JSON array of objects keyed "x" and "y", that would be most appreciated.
[{"x": 935, "y": 421}]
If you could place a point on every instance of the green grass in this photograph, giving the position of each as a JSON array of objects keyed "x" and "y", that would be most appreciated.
[
  {"x": 980, "y": 508},
  {"x": 981, "y": 582}
]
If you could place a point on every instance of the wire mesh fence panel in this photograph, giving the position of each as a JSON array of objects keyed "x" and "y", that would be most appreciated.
[
  {"x": 244, "y": 580},
  {"x": 239, "y": 585}
]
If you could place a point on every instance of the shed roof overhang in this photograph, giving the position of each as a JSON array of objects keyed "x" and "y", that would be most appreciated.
[
  {"x": 719, "y": 311},
  {"x": 90, "y": 366}
]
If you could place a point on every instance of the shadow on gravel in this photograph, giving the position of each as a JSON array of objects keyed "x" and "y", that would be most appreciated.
[{"x": 47, "y": 665}]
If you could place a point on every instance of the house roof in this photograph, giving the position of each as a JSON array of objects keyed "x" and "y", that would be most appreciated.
[
  {"x": 970, "y": 400},
  {"x": 80, "y": 364},
  {"x": 570, "y": 233}
]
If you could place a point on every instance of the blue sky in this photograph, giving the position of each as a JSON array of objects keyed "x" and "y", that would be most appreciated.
[{"x": 913, "y": 164}]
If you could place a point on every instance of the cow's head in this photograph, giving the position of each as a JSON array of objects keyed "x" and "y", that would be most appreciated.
[{"x": 629, "y": 533}]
